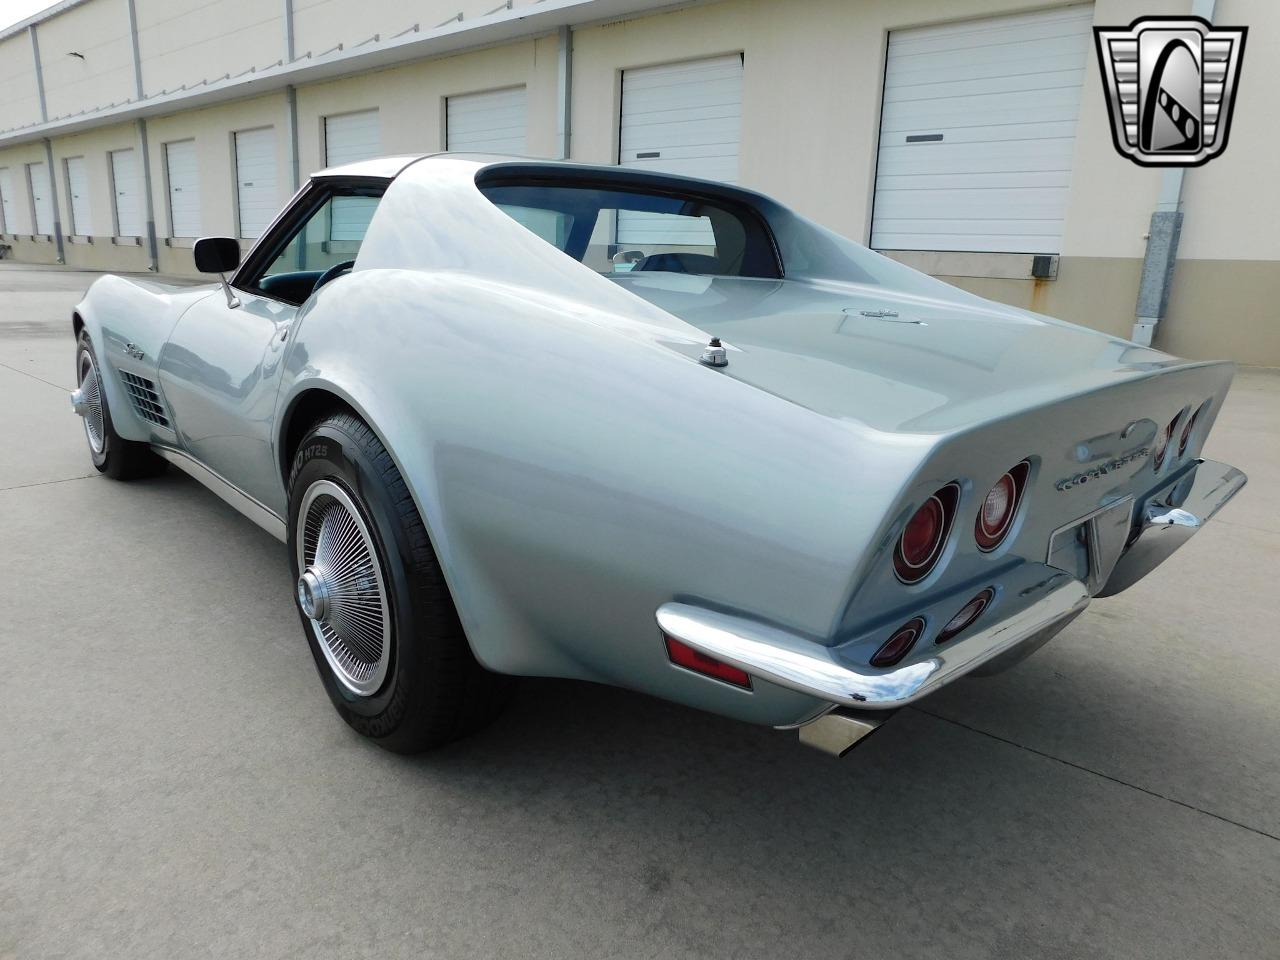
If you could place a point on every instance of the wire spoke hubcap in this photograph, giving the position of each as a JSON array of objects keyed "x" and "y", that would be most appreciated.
[
  {"x": 89, "y": 403},
  {"x": 342, "y": 589}
]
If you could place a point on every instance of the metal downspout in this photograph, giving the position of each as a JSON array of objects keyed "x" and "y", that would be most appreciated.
[
  {"x": 564, "y": 87},
  {"x": 153, "y": 247},
  {"x": 1162, "y": 237},
  {"x": 48, "y": 150}
]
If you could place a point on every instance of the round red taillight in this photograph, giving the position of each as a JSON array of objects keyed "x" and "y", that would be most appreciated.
[
  {"x": 923, "y": 537},
  {"x": 898, "y": 645},
  {"x": 1186, "y": 433},
  {"x": 966, "y": 616},
  {"x": 1162, "y": 442},
  {"x": 995, "y": 517}
]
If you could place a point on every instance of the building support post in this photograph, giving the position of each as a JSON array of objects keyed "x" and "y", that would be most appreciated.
[
  {"x": 53, "y": 201},
  {"x": 291, "y": 121},
  {"x": 48, "y": 149},
  {"x": 564, "y": 91},
  {"x": 153, "y": 246}
]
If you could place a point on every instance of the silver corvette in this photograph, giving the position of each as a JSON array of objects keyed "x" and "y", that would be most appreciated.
[{"x": 532, "y": 418}]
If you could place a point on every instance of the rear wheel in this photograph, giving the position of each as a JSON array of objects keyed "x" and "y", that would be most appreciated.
[
  {"x": 113, "y": 455},
  {"x": 373, "y": 600}
]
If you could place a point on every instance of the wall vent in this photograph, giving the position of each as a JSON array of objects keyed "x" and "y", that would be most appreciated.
[{"x": 146, "y": 400}]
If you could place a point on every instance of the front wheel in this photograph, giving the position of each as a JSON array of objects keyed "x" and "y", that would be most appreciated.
[
  {"x": 111, "y": 453},
  {"x": 373, "y": 600}
]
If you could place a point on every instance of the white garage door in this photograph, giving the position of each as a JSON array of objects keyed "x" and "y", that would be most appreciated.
[
  {"x": 7, "y": 223},
  {"x": 977, "y": 133},
  {"x": 41, "y": 197},
  {"x": 184, "y": 188},
  {"x": 347, "y": 139},
  {"x": 128, "y": 196},
  {"x": 681, "y": 118},
  {"x": 684, "y": 118},
  {"x": 351, "y": 137},
  {"x": 78, "y": 188},
  {"x": 256, "y": 180},
  {"x": 493, "y": 122}
]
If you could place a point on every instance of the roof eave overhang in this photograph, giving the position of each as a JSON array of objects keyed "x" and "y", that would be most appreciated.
[{"x": 497, "y": 28}]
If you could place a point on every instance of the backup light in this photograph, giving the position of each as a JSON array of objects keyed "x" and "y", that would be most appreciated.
[
  {"x": 966, "y": 616},
  {"x": 995, "y": 518},
  {"x": 899, "y": 644},
  {"x": 683, "y": 655}
]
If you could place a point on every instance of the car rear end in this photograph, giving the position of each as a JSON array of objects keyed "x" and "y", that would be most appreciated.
[{"x": 1000, "y": 539}]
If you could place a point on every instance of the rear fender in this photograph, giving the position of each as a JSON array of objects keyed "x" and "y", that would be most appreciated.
[{"x": 576, "y": 470}]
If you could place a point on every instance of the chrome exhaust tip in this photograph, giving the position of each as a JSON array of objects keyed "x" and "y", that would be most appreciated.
[
  {"x": 838, "y": 732},
  {"x": 78, "y": 405}
]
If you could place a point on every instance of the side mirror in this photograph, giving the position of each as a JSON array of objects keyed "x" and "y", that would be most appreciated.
[{"x": 216, "y": 254}]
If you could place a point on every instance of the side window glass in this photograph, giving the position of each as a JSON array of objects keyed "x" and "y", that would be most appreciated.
[{"x": 331, "y": 235}]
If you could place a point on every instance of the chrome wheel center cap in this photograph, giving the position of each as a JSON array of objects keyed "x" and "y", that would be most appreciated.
[
  {"x": 313, "y": 594},
  {"x": 79, "y": 404}
]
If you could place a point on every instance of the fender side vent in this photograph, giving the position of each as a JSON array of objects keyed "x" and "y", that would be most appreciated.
[{"x": 146, "y": 401}]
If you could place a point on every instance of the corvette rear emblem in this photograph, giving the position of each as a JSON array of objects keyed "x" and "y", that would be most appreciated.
[
  {"x": 1101, "y": 470},
  {"x": 1170, "y": 85}
]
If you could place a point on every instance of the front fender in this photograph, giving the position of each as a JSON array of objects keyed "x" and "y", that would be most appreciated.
[{"x": 129, "y": 322}]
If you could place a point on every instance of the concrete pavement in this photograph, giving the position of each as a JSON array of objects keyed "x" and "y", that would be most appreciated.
[{"x": 174, "y": 783}]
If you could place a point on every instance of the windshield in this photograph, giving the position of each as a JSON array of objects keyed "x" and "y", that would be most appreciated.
[{"x": 628, "y": 231}]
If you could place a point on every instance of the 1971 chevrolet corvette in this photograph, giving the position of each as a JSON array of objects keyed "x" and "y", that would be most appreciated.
[{"x": 532, "y": 418}]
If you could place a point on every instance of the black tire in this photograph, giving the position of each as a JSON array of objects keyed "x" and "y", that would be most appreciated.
[
  {"x": 434, "y": 691},
  {"x": 118, "y": 458}
]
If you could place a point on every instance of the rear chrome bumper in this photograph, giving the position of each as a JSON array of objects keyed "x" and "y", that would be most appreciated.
[
  {"x": 1169, "y": 519},
  {"x": 799, "y": 664}
]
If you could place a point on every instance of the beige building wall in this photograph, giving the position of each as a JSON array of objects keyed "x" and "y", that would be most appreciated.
[
  {"x": 20, "y": 100},
  {"x": 320, "y": 25},
  {"x": 213, "y": 131},
  {"x": 102, "y": 74},
  {"x": 811, "y": 106},
  {"x": 184, "y": 42},
  {"x": 410, "y": 100}
]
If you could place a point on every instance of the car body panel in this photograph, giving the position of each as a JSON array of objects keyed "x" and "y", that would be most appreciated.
[{"x": 577, "y": 467}]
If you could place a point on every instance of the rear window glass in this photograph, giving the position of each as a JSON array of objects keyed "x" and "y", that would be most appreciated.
[{"x": 626, "y": 231}]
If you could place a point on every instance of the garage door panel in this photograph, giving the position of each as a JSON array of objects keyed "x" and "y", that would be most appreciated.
[
  {"x": 351, "y": 138},
  {"x": 495, "y": 121},
  {"x": 8, "y": 209},
  {"x": 958, "y": 89},
  {"x": 979, "y": 112},
  {"x": 689, "y": 117},
  {"x": 1050, "y": 203},
  {"x": 78, "y": 191},
  {"x": 1004, "y": 94},
  {"x": 127, "y": 187},
  {"x": 184, "y": 188},
  {"x": 41, "y": 197},
  {"x": 1062, "y": 53},
  {"x": 1039, "y": 180},
  {"x": 680, "y": 75},
  {"x": 256, "y": 180},
  {"x": 1062, "y": 132},
  {"x": 994, "y": 32},
  {"x": 722, "y": 87}
]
